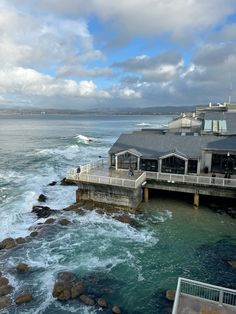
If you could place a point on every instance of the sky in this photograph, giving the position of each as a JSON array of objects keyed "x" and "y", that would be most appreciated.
[{"x": 83, "y": 54}]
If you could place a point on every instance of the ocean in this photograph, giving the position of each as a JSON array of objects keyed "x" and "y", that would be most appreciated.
[{"x": 130, "y": 266}]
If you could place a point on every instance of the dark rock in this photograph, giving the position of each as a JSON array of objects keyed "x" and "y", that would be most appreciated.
[
  {"x": 87, "y": 300},
  {"x": 50, "y": 221},
  {"x": 116, "y": 310},
  {"x": 3, "y": 281},
  {"x": 77, "y": 289},
  {"x": 42, "y": 211},
  {"x": 20, "y": 240},
  {"x": 231, "y": 212},
  {"x": 34, "y": 234},
  {"x": 4, "y": 290},
  {"x": 64, "y": 222},
  {"x": 8, "y": 243},
  {"x": 67, "y": 276},
  {"x": 64, "y": 181},
  {"x": 22, "y": 268},
  {"x": 232, "y": 264},
  {"x": 53, "y": 183},
  {"x": 23, "y": 298},
  {"x": 62, "y": 289},
  {"x": 102, "y": 302},
  {"x": 4, "y": 302},
  {"x": 125, "y": 219},
  {"x": 170, "y": 295},
  {"x": 42, "y": 198}
]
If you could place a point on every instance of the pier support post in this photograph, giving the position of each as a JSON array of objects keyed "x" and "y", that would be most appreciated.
[
  {"x": 145, "y": 194},
  {"x": 196, "y": 199},
  {"x": 78, "y": 196}
]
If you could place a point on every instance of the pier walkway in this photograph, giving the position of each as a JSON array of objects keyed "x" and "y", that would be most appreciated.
[{"x": 194, "y": 297}]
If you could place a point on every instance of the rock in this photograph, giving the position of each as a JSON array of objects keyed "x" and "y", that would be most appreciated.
[
  {"x": 64, "y": 222},
  {"x": 102, "y": 302},
  {"x": 20, "y": 240},
  {"x": 53, "y": 183},
  {"x": 231, "y": 212},
  {"x": 62, "y": 289},
  {"x": 50, "y": 221},
  {"x": 87, "y": 300},
  {"x": 4, "y": 302},
  {"x": 77, "y": 289},
  {"x": 23, "y": 298},
  {"x": 232, "y": 264},
  {"x": 64, "y": 181},
  {"x": 22, "y": 268},
  {"x": 8, "y": 243},
  {"x": 3, "y": 281},
  {"x": 125, "y": 219},
  {"x": 4, "y": 290},
  {"x": 34, "y": 234},
  {"x": 42, "y": 211},
  {"x": 170, "y": 295},
  {"x": 116, "y": 310},
  {"x": 42, "y": 198}
]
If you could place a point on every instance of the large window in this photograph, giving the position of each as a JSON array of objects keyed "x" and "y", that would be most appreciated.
[
  {"x": 222, "y": 163},
  {"x": 149, "y": 165},
  {"x": 127, "y": 161},
  {"x": 173, "y": 164},
  {"x": 192, "y": 166}
]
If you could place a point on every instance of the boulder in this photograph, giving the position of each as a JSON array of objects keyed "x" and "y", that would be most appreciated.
[
  {"x": 42, "y": 211},
  {"x": 22, "y": 268},
  {"x": 4, "y": 290},
  {"x": 77, "y": 289},
  {"x": 116, "y": 310},
  {"x": 23, "y": 298},
  {"x": 42, "y": 198},
  {"x": 87, "y": 300},
  {"x": 102, "y": 302},
  {"x": 8, "y": 243},
  {"x": 50, "y": 221},
  {"x": 20, "y": 240},
  {"x": 125, "y": 219},
  {"x": 64, "y": 222},
  {"x": 232, "y": 264},
  {"x": 4, "y": 302},
  {"x": 34, "y": 234},
  {"x": 3, "y": 281},
  {"x": 66, "y": 286},
  {"x": 64, "y": 181},
  {"x": 170, "y": 295},
  {"x": 53, "y": 183}
]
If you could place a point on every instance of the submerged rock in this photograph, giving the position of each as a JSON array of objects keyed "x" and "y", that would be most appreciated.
[
  {"x": 50, "y": 221},
  {"x": 125, "y": 219},
  {"x": 170, "y": 295},
  {"x": 20, "y": 240},
  {"x": 4, "y": 290},
  {"x": 87, "y": 300},
  {"x": 102, "y": 303},
  {"x": 8, "y": 243},
  {"x": 232, "y": 264},
  {"x": 42, "y": 211},
  {"x": 23, "y": 298},
  {"x": 116, "y": 310},
  {"x": 52, "y": 183},
  {"x": 64, "y": 222},
  {"x": 231, "y": 212},
  {"x": 22, "y": 268},
  {"x": 5, "y": 301},
  {"x": 42, "y": 198},
  {"x": 34, "y": 234}
]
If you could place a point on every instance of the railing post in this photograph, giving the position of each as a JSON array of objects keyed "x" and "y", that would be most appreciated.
[
  {"x": 221, "y": 297},
  {"x": 177, "y": 295}
]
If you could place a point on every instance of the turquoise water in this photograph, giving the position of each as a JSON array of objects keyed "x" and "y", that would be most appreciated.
[{"x": 129, "y": 266}]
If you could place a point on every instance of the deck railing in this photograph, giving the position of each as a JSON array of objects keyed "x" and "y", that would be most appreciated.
[
  {"x": 193, "y": 179},
  {"x": 207, "y": 292}
]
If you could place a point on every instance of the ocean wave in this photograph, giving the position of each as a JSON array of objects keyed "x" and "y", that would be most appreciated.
[
  {"x": 68, "y": 152},
  {"x": 84, "y": 139},
  {"x": 143, "y": 124}
]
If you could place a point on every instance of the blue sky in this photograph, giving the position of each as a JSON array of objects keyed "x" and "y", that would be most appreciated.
[{"x": 83, "y": 54}]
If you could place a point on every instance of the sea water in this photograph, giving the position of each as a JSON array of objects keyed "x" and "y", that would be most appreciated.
[{"x": 129, "y": 266}]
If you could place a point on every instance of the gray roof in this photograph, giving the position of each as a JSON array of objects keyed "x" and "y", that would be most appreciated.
[{"x": 154, "y": 145}]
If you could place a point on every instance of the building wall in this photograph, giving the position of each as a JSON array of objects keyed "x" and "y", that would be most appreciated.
[{"x": 206, "y": 160}]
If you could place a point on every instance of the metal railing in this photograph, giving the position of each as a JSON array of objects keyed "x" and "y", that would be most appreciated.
[
  {"x": 73, "y": 174},
  {"x": 203, "y": 291},
  {"x": 193, "y": 179}
]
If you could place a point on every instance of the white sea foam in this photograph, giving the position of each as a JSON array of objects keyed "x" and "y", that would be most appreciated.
[
  {"x": 68, "y": 152},
  {"x": 84, "y": 139},
  {"x": 143, "y": 124}
]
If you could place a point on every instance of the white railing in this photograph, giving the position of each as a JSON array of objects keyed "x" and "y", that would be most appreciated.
[
  {"x": 203, "y": 291},
  {"x": 194, "y": 179},
  {"x": 73, "y": 174},
  {"x": 128, "y": 183}
]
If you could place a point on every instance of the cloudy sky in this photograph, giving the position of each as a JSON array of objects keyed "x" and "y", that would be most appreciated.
[{"x": 130, "y": 53}]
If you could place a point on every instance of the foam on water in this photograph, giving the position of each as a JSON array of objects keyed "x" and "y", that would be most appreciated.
[{"x": 85, "y": 139}]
